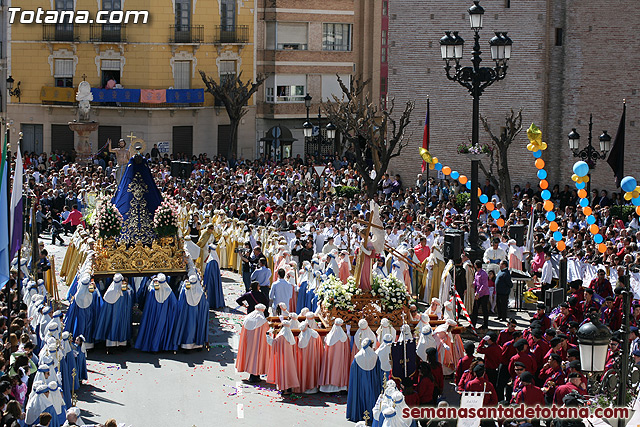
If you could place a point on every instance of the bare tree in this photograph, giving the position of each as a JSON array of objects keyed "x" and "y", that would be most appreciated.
[
  {"x": 234, "y": 94},
  {"x": 370, "y": 130},
  {"x": 501, "y": 144}
]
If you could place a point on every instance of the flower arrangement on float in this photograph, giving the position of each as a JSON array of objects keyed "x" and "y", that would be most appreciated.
[
  {"x": 107, "y": 219},
  {"x": 165, "y": 218},
  {"x": 392, "y": 293},
  {"x": 332, "y": 293}
]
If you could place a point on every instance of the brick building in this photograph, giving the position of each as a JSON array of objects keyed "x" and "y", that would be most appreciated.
[
  {"x": 300, "y": 49},
  {"x": 565, "y": 64}
]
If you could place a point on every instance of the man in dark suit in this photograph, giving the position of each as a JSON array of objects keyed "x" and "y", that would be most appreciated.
[
  {"x": 604, "y": 200},
  {"x": 503, "y": 289}
]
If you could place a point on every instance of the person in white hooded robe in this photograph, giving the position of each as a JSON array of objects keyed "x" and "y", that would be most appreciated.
[
  {"x": 385, "y": 328},
  {"x": 384, "y": 354},
  {"x": 363, "y": 332},
  {"x": 37, "y": 405},
  {"x": 114, "y": 320},
  {"x": 58, "y": 404},
  {"x": 309, "y": 355},
  {"x": 426, "y": 341},
  {"x": 192, "y": 324},
  {"x": 385, "y": 400}
]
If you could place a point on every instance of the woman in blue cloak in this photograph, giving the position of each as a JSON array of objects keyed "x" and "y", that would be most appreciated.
[
  {"x": 84, "y": 311},
  {"x": 114, "y": 322},
  {"x": 213, "y": 280},
  {"x": 365, "y": 382},
  {"x": 157, "y": 328},
  {"x": 192, "y": 326}
]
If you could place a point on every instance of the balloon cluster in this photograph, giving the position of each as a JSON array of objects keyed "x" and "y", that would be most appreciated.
[
  {"x": 536, "y": 146},
  {"x": 463, "y": 180},
  {"x": 580, "y": 173},
  {"x": 632, "y": 191}
]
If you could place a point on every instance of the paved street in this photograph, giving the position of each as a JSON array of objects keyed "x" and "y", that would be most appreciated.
[{"x": 200, "y": 388}]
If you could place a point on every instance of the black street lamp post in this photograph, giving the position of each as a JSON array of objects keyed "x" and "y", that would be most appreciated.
[
  {"x": 589, "y": 154},
  {"x": 475, "y": 79},
  {"x": 317, "y": 145}
]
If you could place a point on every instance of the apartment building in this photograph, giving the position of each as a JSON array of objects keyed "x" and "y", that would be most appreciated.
[{"x": 144, "y": 77}]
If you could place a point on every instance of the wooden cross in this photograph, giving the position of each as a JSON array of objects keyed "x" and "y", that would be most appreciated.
[
  {"x": 84, "y": 77},
  {"x": 131, "y": 136}
]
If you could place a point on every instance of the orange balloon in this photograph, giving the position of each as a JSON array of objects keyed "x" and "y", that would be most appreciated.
[
  {"x": 638, "y": 210},
  {"x": 561, "y": 245},
  {"x": 594, "y": 229},
  {"x": 548, "y": 205},
  {"x": 544, "y": 184},
  {"x": 479, "y": 192},
  {"x": 462, "y": 179},
  {"x": 500, "y": 222},
  {"x": 446, "y": 170},
  {"x": 602, "y": 248},
  {"x": 540, "y": 163},
  {"x": 587, "y": 211},
  {"x": 582, "y": 193},
  {"x": 553, "y": 226},
  {"x": 490, "y": 206}
]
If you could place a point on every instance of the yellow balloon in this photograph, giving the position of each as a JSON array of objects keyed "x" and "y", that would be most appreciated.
[
  {"x": 575, "y": 177},
  {"x": 585, "y": 178},
  {"x": 638, "y": 188},
  {"x": 432, "y": 166},
  {"x": 628, "y": 196},
  {"x": 434, "y": 160},
  {"x": 635, "y": 194},
  {"x": 530, "y": 147},
  {"x": 544, "y": 145}
]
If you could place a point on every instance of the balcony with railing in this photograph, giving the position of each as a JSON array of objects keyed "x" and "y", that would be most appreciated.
[
  {"x": 108, "y": 33},
  {"x": 186, "y": 34},
  {"x": 60, "y": 33},
  {"x": 231, "y": 34}
]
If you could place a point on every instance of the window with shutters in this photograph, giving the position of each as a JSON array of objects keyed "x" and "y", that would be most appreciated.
[
  {"x": 292, "y": 35},
  {"x": 227, "y": 69},
  {"x": 111, "y": 5},
  {"x": 63, "y": 73},
  {"x": 336, "y": 37},
  {"x": 110, "y": 71},
  {"x": 228, "y": 15},
  {"x": 183, "y": 15},
  {"x": 182, "y": 74}
]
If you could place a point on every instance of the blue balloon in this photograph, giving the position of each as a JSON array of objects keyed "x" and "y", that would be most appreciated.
[
  {"x": 483, "y": 198},
  {"x": 546, "y": 194},
  {"x": 628, "y": 184},
  {"x": 580, "y": 185},
  {"x": 591, "y": 219},
  {"x": 468, "y": 185},
  {"x": 438, "y": 166},
  {"x": 454, "y": 175},
  {"x": 537, "y": 154},
  {"x": 584, "y": 203},
  {"x": 636, "y": 201},
  {"x": 581, "y": 168},
  {"x": 551, "y": 216},
  {"x": 557, "y": 236},
  {"x": 598, "y": 238},
  {"x": 495, "y": 214},
  {"x": 542, "y": 174}
]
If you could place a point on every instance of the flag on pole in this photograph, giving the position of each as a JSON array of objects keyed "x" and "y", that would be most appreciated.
[
  {"x": 616, "y": 157},
  {"x": 425, "y": 135},
  {"x": 17, "y": 201},
  {"x": 4, "y": 216}
]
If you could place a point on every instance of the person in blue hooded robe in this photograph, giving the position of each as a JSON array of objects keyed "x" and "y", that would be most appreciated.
[
  {"x": 157, "y": 328},
  {"x": 114, "y": 322},
  {"x": 139, "y": 287},
  {"x": 80, "y": 354},
  {"x": 365, "y": 382},
  {"x": 84, "y": 311},
  {"x": 213, "y": 280},
  {"x": 67, "y": 367},
  {"x": 311, "y": 301},
  {"x": 302, "y": 287},
  {"x": 38, "y": 404},
  {"x": 192, "y": 326}
]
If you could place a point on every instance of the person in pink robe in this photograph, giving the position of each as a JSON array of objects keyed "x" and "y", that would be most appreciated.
[
  {"x": 368, "y": 254},
  {"x": 253, "y": 355},
  {"x": 282, "y": 366},
  {"x": 336, "y": 360},
  {"x": 344, "y": 266},
  {"x": 292, "y": 277},
  {"x": 310, "y": 350},
  {"x": 516, "y": 255}
]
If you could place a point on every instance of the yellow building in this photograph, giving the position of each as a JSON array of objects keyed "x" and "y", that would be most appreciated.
[{"x": 180, "y": 38}]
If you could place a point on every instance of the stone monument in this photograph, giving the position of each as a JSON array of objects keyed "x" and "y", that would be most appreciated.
[{"x": 83, "y": 127}]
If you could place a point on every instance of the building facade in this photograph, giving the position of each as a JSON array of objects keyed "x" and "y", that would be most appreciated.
[
  {"x": 301, "y": 50},
  {"x": 145, "y": 76},
  {"x": 563, "y": 67}
]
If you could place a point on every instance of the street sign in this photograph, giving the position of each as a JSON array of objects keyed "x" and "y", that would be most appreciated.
[{"x": 319, "y": 169}]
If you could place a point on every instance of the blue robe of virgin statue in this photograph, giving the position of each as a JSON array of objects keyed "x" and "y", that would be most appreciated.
[
  {"x": 192, "y": 325},
  {"x": 302, "y": 290},
  {"x": 157, "y": 328},
  {"x": 114, "y": 322},
  {"x": 213, "y": 280},
  {"x": 365, "y": 382},
  {"x": 83, "y": 312}
]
